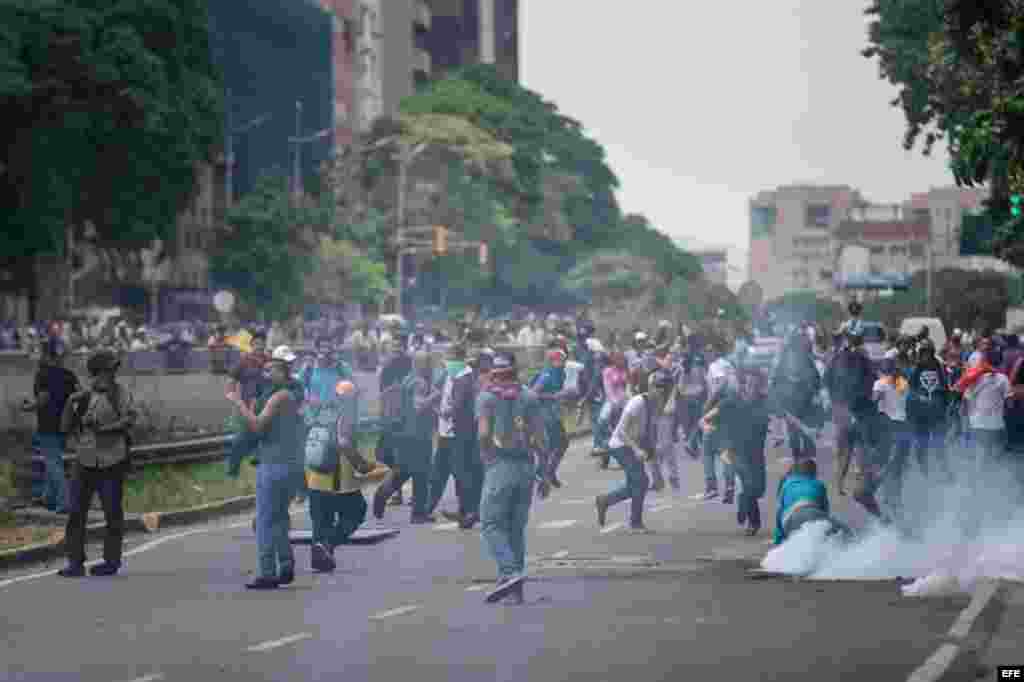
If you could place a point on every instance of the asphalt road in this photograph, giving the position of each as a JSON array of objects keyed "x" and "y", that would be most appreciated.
[{"x": 676, "y": 604}]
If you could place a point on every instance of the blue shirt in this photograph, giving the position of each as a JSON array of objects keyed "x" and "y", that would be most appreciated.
[{"x": 798, "y": 488}]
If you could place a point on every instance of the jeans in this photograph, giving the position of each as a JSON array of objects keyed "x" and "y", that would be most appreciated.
[
  {"x": 457, "y": 456},
  {"x": 930, "y": 445},
  {"x": 898, "y": 440},
  {"x": 109, "y": 483},
  {"x": 51, "y": 446},
  {"x": 505, "y": 511},
  {"x": 713, "y": 446},
  {"x": 415, "y": 464},
  {"x": 635, "y": 486},
  {"x": 276, "y": 485},
  {"x": 606, "y": 423},
  {"x": 335, "y": 516},
  {"x": 596, "y": 408}
]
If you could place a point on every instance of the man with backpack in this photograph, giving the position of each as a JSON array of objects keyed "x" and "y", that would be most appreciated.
[
  {"x": 334, "y": 473},
  {"x": 415, "y": 440},
  {"x": 928, "y": 408},
  {"x": 510, "y": 429}
]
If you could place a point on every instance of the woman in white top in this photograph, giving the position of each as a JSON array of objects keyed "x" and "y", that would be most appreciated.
[{"x": 890, "y": 394}]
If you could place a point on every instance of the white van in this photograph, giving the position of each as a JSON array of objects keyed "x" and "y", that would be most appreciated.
[{"x": 936, "y": 331}]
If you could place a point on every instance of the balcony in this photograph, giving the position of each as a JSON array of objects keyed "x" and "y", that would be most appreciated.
[
  {"x": 423, "y": 15},
  {"x": 421, "y": 61}
]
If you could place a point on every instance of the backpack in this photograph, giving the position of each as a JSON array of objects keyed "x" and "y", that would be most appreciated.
[
  {"x": 509, "y": 429},
  {"x": 322, "y": 437}
]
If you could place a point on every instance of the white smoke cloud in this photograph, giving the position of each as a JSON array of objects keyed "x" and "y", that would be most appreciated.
[{"x": 948, "y": 536}]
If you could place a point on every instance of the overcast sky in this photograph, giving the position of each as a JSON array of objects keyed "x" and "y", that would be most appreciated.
[{"x": 702, "y": 105}]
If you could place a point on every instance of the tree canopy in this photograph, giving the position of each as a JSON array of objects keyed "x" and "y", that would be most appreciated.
[{"x": 109, "y": 107}]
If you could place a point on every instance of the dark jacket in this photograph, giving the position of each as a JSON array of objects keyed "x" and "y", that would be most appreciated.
[
  {"x": 927, "y": 401},
  {"x": 850, "y": 379}
]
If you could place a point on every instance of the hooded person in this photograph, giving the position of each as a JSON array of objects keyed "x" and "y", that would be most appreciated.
[
  {"x": 510, "y": 429},
  {"x": 279, "y": 424}
]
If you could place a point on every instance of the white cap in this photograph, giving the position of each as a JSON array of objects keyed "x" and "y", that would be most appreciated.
[
  {"x": 595, "y": 345},
  {"x": 640, "y": 336},
  {"x": 283, "y": 353}
]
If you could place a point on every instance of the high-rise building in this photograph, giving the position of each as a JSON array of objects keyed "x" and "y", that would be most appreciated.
[
  {"x": 405, "y": 60},
  {"x": 476, "y": 31},
  {"x": 345, "y": 67}
]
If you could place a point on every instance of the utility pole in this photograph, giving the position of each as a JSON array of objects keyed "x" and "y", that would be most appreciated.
[
  {"x": 929, "y": 276},
  {"x": 297, "y": 169},
  {"x": 229, "y": 143}
]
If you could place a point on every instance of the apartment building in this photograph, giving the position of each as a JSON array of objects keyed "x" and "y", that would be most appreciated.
[
  {"x": 822, "y": 238},
  {"x": 476, "y": 31},
  {"x": 405, "y": 60},
  {"x": 345, "y": 66}
]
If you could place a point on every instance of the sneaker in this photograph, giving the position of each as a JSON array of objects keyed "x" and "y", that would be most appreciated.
[
  {"x": 287, "y": 576},
  {"x": 706, "y": 495},
  {"x": 752, "y": 531},
  {"x": 516, "y": 597},
  {"x": 322, "y": 561},
  {"x": 72, "y": 571},
  {"x": 602, "y": 510},
  {"x": 263, "y": 583},
  {"x": 638, "y": 530},
  {"x": 503, "y": 589},
  {"x": 105, "y": 569}
]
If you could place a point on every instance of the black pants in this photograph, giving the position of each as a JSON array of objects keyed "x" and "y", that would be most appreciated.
[
  {"x": 457, "y": 457},
  {"x": 414, "y": 463},
  {"x": 109, "y": 483}
]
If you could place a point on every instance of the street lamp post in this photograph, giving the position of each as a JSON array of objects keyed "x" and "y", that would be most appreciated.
[
  {"x": 298, "y": 141},
  {"x": 229, "y": 143}
]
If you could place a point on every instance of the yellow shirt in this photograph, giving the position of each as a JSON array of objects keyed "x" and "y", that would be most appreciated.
[{"x": 349, "y": 481}]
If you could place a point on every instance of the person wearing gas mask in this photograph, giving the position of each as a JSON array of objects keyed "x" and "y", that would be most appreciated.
[{"x": 99, "y": 420}]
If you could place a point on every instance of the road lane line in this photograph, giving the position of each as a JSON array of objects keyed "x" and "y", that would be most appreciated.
[
  {"x": 558, "y": 525},
  {"x": 477, "y": 588},
  {"x": 612, "y": 528},
  {"x": 145, "y": 547},
  {"x": 149, "y": 678},
  {"x": 276, "y": 643},
  {"x": 447, "y": 526},
  {"x": 401, "y": 610},
  {"x": 560, "y": 555}
]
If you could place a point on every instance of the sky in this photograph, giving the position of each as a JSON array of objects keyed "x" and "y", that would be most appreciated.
[{"x": 702, "y": 105}]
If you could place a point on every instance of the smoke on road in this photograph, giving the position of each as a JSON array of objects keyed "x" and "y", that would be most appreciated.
[{"x": 948, "y": 536}]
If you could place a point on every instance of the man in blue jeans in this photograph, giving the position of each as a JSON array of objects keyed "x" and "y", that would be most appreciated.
[
  {"x": 509, "y": 427},
  {"x": 53, "y": 385}
]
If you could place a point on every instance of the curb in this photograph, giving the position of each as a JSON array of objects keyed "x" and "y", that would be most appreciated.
[
  {"x": 152, "y": 521},
  {"x": 987, "y": 601}
]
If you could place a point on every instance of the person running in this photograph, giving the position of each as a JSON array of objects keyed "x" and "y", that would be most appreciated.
[
  {"x": 632, "y": 444},
  {"x": 337, "y": 506},
  {"x": 99, "y": 420},
  {"x": 510, "y": 427},
  {"x": 693, "y": 392},
  {"x": 795, "y": 384},
  {"x": 280, "y": 472},
  {"x": 548, "y": 388},
  {"x": 743, "y": 420},
  {"x": 615, "y": 379}
]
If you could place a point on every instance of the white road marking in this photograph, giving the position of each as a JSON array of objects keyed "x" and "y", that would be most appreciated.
[
  {"x": 145, "y": 547},
  {"x": 612, "y": 528},
  {"x": 661, "y": 507},
  {"x": 476, "y": 588},
  {"x": 276, "y": 643},
  {"x": 578, "y": 500},
  {"x": 447, "y": 526},
  {"x": 557, "y": 525},
  {"x": 149, "y": 678},
  {"x": 560, "y": 555},
  {"x": 394, "y": 612}
]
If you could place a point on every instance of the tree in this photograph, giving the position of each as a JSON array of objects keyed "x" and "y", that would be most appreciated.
[
  {"x": 265, "y": 253},
  {"x": 341, "y": 272},
  {"x": 639, "y": 236},
  {"x": 109, "y": 107}
]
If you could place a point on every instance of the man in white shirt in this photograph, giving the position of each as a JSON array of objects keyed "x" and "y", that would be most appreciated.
[
  {"x": 722, "y": 378},
  {"x": 890, "y": 394},
  {"x": 986, "y": 408}
]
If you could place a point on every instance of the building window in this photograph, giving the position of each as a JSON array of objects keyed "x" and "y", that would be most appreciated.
[
  {"x": 762, "y": 221},
  {"x": 818, "y": 215}
]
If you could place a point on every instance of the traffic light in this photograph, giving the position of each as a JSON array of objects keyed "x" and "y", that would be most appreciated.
[
  {"x": 1015, "y": 205},
  {"x": 483, "y": 254},
  {"x": 440, "y": 240}
]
